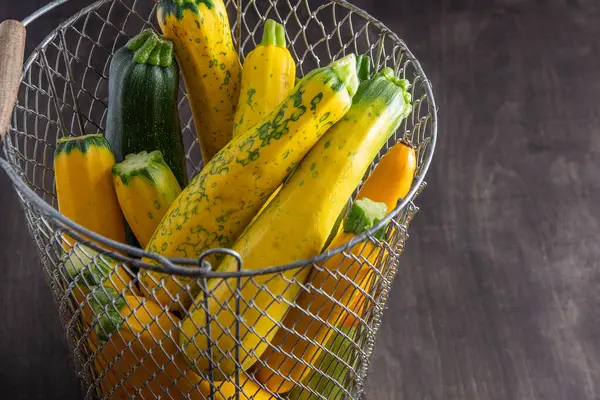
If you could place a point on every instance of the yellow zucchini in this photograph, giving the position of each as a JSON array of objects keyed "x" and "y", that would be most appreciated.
[
  {"x": 136, "y": 341},
  {"x": 88, "y": 270},
  {"x": 201, "y": 36},
  {"x": 137, "y": 354},
  {"x": 215, "y": 208},
  {"x": 145, "y": 187},
  {"x": 92, "y": 276},
  {"x": 363, "y": 72},
  {"x": 294, "y": 226},
  {"x": 380, "y": 104},
  {"x": 390, "y": 181},
  {"x": 227, "y": 390},
  {"x": 84, "y": 185},
  {"x": 279, "y": 371},
  {"x": 267, "y": 78}
]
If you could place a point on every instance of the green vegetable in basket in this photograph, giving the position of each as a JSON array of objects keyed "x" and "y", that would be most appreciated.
[
  {"x": 329, "y": 374},
  {"x": 143, "y": 86},
  {"x": 86, "y": 268}
]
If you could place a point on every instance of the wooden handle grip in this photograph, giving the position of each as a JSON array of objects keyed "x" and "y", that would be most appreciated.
[{"x": 12, "y": 49}]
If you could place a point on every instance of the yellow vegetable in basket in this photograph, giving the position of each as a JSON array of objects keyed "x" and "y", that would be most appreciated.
[
  {"x": 201, "y": 35},
  {"x": 90, "y": 272},
  {"x": 294, "y": 226},
  {"x": 390, "y": 182},
  {"x": 380, "y": 105},
  {"x": 84, "y": 185},
  {"x": 136, "y": 341},
  {"x": 279, "y": 370},
  {"x": 363, "y": 72},
  {"x": 145, "y": 187},
  {"x": 136, "y": 358},
  {"x": 226, "y": 390},
  {"x": 215, "y": 208},
  {"x": 267, "y": 78}
]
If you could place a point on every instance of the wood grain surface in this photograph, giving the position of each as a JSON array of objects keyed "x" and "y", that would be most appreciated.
[
  {"x": 498, "y": 296},
  {"x": 12, "y": 46}
]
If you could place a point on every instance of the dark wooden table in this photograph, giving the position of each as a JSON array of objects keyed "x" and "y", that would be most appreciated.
[{"x": 499, "y": 292}]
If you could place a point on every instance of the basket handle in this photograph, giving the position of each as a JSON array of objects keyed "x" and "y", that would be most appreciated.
[{"x": 12, "y": 50}]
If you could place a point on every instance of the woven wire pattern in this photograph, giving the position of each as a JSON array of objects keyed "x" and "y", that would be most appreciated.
[{"x": 64, "y": 93}]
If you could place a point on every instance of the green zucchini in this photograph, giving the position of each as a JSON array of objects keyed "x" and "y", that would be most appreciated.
[
  {"x": 329, "y": 374},
  {"x": 363, "y": 67},
  {"x": 142, "y": 102}
]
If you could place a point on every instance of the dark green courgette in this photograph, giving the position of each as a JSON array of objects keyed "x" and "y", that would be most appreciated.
[{"x": 142, "y": 109}]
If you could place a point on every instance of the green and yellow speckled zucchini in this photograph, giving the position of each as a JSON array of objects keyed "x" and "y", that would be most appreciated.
[
  {"x": 209, "y": 64},
  {"x": 221, "y": 201}
]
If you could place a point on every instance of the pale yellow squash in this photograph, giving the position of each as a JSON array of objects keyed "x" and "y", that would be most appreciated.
[
  {"x": 145, "y": 187},
  {"x": 267, "y": 78},
  {"x": 84, "y": 188},
  {"x": 379, "y": 106}
]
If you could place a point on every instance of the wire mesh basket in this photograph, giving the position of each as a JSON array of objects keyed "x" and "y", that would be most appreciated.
[{"x": 64, "y": 92}]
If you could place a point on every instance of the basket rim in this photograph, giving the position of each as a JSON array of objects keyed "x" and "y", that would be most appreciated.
[{"x": 173, "y": 265}]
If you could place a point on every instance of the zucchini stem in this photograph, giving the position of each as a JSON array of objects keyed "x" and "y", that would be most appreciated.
[
  {"x": 363, "y": 215},
  {"x": 152, "y": 49},
  {"x": 81, "y": 143},
  {"x": 345, "y": 69},
  {"x": 363, "y": 67},
  {"x": 388, "y": 74},
  {"x": 368, "y": 89},
  {"x": 273, "y": 34},
  {"x": 139, "y": 164},
  {"x": 280, "y": 35}
]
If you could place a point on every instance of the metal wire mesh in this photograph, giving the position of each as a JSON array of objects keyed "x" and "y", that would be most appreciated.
[{"x": 64, "y": 93}]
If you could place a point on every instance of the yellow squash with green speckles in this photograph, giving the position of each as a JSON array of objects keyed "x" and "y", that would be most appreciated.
[
  {"x": 267, "y": 78},
  {"x": 295, "y": 225},
  {"x": 215, "y": 208},
  {"x": 201, "y": 35},
  {"x": 145, "y": 187}
]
